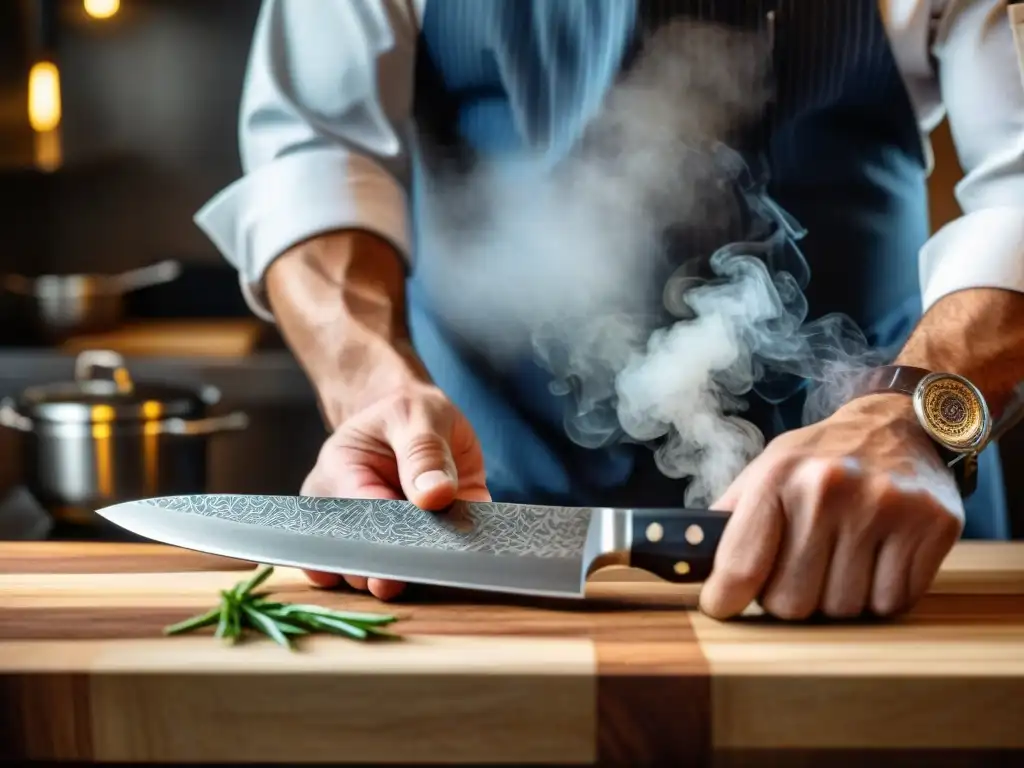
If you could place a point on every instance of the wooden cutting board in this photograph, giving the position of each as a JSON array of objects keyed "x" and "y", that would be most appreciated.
[{"x": 632, "y": 676}]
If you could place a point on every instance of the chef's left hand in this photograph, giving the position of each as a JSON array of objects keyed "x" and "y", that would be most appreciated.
[{"x": 853, "y": 514}]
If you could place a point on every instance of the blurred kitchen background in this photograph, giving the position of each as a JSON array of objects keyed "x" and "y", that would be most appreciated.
[
  {"x": 118, "y": 120},
  {"x": 105, "y": 180}
]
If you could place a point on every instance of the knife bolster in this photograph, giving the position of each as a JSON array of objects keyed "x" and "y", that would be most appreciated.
[
  {"x": 677, "y": 545},
  {"x": 608, "y": 559}
]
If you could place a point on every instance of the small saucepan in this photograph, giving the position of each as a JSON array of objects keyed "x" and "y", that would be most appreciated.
[
  {"x": 61, "y": 306},
  {"x": 105, "y": 438}
]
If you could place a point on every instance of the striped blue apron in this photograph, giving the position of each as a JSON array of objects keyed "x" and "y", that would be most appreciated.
[{"x": 838, "y": 144}]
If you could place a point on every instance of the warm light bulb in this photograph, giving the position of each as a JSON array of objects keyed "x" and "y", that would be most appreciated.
[
  {"x": 101, "y": 9},
  {"x": 44, "y": 96}
]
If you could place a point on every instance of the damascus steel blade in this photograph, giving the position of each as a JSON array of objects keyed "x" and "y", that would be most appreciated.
[{"x": 489, "y": 546}]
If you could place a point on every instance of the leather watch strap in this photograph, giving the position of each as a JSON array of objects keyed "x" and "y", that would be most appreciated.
[{"x": 892, "y": 378}]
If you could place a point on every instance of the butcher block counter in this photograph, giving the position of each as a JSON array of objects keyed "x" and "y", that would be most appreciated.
[{"x": 634, "y": 675}]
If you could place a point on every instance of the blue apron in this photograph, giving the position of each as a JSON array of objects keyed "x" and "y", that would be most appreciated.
[{"x": 838, "y": 146}]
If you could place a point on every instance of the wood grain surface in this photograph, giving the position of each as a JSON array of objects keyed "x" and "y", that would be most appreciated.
[{"x": 631, "y": 676}]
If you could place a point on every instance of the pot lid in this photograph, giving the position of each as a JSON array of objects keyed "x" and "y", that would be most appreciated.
[{"x": 103, "y": 391}]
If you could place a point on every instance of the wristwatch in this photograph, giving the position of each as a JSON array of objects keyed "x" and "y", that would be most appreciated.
[{"x": 951, "y": 410}]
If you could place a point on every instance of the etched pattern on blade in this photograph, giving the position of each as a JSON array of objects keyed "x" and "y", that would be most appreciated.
[{"x": 490, "y": 528}]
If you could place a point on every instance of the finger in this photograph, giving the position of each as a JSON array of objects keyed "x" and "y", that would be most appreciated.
[
  {"x": 861, "y": 531},
  {"x": 472, "y": 484},
  {"x": 795, "y": 589},
  {"x": 473, "y": 493},
  {"x": 727, "y": 501},
  {"x": 746, "y": 554},
  {"x": 929, "y": 556},
  {"x": 469, "y": 462},
  {"x": 357, "y": 582},
  {"x": 323, "y": 580},
  {"x": 747, "y": 476},
  {"x": 426, "y": 469},
  {"x": 848, "y": 583},
  {"x": 889, "y": 589},
  {"x": 382, "y": 589},
  {"x": 813, "y": 495}
]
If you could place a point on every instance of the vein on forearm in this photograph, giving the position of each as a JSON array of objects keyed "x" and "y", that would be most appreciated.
[
  {"x": 339, "y": 300},
  {"x": 977, "y": 333}
]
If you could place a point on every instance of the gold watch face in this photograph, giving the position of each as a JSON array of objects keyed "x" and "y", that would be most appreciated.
[{"x": 953, "y": 411}]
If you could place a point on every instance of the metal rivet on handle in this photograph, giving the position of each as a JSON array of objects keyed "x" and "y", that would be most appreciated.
[
  {"x": 655, "y": 532},
  {"x": 682, "y": 567},
  {"x": 694, "y": 535}
]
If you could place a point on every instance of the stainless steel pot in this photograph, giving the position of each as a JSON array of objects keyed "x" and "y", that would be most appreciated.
[
  {"x": 105, "y": 438},
  {"x": 60, "y": 306}
]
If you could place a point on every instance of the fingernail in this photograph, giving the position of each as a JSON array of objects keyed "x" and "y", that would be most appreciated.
[{"x": 428, "y": 481}]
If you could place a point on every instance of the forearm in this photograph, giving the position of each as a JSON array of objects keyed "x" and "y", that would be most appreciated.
[
  {"x": 977, "y": 333},
  {"x": 339, "y": 301}
]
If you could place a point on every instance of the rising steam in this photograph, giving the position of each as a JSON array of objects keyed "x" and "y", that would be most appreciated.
[{"x": 648, "y": 271}]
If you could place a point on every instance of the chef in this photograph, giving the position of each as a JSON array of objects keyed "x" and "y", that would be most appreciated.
[{"x": 851, "y": 514}]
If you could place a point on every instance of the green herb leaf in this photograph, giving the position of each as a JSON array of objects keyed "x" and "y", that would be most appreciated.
[
  {"x": 195, "y": 622},
  {"x": 241, "y": 606},
  {"x": 360, "y": 618},
  {"x": 258, "y": 578},
  {"x": 267, "y": 625},
  {"x": 290, "y": 629},
  {"x": 378, "y": 632},
  {"x": 338, "y": 627},
  {"x": 224, "y": 624}
]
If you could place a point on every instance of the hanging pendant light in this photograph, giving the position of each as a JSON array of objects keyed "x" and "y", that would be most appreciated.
[
  {"x": 101, "y": 9},
  {"x": 44, "y": 91}
]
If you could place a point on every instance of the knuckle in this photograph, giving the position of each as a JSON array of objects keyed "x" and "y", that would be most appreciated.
[
  {"x": 423, "y": 408},
  {"x": 949, "y": 527},
  {"x": 894, "y": 506},
  {"x": 892, "y": 501},
  {"x": 401, "y": 406},
  {"x": 424, "y": 447},
  {"x": 789, "y": 606},
  {"x": 821, "y": 480},
  {"x": 885, "y": 512}
]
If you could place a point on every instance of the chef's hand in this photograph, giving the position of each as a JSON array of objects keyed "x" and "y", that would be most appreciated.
[
  {"x": 853, "y": 514},
  {"x": 413, "y": 444}
]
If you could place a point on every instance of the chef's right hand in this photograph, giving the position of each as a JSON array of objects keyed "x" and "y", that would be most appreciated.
[{"x": 413, "y": 444}]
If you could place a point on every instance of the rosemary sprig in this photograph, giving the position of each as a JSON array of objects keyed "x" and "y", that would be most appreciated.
[{"x": 243, "y": 608}]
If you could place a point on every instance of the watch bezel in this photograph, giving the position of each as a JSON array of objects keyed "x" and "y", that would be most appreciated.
[{"x": 919, "y": 409}]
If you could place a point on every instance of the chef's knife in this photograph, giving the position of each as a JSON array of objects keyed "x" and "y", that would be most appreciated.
[{"x": 499, "y": 547}]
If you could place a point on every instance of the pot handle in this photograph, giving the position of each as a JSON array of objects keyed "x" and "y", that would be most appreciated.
[
  {"x": 144, "y": 277},
  {"x": 10, "y": 418},
  {"x": 232, "y": 422},
  {"x": 90, "y": 361}
]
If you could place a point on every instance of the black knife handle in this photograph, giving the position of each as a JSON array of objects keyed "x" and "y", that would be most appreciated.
[{"x": 677, "y": 545}]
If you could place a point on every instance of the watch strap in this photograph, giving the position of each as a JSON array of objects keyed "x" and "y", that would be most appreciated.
[{"x": 891, "y": 378}]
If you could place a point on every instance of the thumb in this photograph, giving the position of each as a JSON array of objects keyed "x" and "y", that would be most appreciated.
[{"x": 426, "y": 469}]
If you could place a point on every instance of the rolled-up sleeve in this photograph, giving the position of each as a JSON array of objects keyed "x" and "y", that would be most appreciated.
[
  {"x": 322, "y": 130},
  {"x": 980, "y": 80}
]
